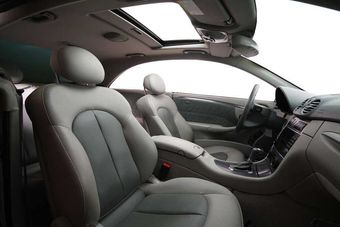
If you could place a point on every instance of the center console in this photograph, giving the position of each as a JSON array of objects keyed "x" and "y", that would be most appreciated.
[
  {"x": 264, "y": 172},
  {"x": 178, "y": 146},
  {"x": 260, "y": 163}
]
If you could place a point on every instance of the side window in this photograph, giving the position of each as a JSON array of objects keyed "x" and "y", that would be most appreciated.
[{"x": 197, "y": 77}]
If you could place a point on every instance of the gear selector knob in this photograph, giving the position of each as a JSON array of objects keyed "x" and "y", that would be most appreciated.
[{"x": 256, "y": 154}]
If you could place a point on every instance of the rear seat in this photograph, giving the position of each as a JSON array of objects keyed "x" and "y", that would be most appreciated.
[{"x": 36, "y": 199}]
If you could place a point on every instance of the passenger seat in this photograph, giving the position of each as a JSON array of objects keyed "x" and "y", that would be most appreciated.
[{"x": 98, "y": 158}]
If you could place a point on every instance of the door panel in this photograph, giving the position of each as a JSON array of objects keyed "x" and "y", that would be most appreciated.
[
  {"x": 211, "y": 117},
  {"x": 206, "y": 111},
  {"x": 215, "y": 117}
]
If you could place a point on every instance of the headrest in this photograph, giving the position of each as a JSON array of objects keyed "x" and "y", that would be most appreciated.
[
  {"x": 12, "y": 72},
  {"x": 77, "y": 65},
  {"x": 154, "y": 84},
  {"x": 2, "y": 71}
]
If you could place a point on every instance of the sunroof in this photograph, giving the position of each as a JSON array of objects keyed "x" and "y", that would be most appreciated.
[{"x": 166, "y": 20}]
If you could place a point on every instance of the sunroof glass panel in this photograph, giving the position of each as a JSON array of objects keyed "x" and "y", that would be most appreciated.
[{"x": 167, "y": 20}]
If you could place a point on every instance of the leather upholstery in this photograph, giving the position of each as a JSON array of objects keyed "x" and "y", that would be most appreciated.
[
  {"x": 35, "y": 192},
  {"x": 163, "y": 118},
  {"x": 27, "y": 129},
  {"x": 185, "y": 202},
  {"x": 97, "y": 157},
  {"x": 154, "y": 84},
  {"x": 179, "y": 202},
  {"x": 55, "y": 111},
  {"x": 11, "y": 71},
  {"x": 77, "y": 65}
]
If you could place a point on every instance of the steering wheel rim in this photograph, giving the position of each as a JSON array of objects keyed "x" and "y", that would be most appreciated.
[{"x": 247, "y": 108}]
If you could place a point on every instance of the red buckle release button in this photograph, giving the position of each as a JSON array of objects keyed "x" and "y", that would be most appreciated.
[{"x": 166, "y": 165}]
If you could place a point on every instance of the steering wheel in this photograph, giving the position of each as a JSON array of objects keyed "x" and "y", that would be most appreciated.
[{"x": 247, "y": 108}]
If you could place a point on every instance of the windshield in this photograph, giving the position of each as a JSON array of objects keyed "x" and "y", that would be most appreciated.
[{"x": 300, "y": 42}]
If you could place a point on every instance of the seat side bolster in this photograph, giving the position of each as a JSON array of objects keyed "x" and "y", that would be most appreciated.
[
  {"x": 185, "y": 185},
  {"x": 223, "y": 208},
  {"x": 63, "y": 166},
  {"x": 232, "y": 214},
  {"x": 155, "y": 124}
]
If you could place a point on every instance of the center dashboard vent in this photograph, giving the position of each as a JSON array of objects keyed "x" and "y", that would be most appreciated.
[
  {"x": 302, "y": 104},
  {"x": 309, "y": 105}
]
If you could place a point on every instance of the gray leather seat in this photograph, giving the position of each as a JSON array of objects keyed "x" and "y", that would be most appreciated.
[
  {"x": 162, "y": 117},
  {"x": 97, "y": 158}
]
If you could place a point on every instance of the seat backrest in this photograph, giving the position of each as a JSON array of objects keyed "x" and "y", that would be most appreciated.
[
  {"x": 94, "y": 152},
  {"x": 29, "y": 148},
  {"x": 11, "y": 197},
  {"x": 160, "y": 111},
  {"x": 16, "y": 76}
]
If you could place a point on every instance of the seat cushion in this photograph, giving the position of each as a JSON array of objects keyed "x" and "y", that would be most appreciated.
[
  {"x": 182, "y": 202},
  {"x": 226, "y": 153}
]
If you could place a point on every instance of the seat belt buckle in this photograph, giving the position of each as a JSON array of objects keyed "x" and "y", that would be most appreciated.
[{"x": 164, "y": 170}]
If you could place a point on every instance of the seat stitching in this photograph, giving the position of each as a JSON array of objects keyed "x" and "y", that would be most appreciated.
[
  {"x": 110, "y": 152},
  {"x": 174, "y": 213},
  {"x": 238, "y": 205},
  {"x": 120, "y": 203},
  {"x": 67, "y": 155},
  {"x": 132, "y": 153},
  {"x": 76, "y": 172},
  {"x": 208, "y": 205},
  {"x": 189, "y": 193},
  {"x": 152, "y": 104}
]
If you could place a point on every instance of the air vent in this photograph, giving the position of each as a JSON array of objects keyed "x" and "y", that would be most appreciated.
[
  {"x": 302, "y": 104},
  {"x": 310, "y": 106}
]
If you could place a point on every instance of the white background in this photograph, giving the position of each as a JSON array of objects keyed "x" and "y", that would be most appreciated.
[{"x": 301, "y": 43}]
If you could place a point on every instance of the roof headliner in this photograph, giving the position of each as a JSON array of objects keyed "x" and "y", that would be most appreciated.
[{"x": 83, "y": 23}]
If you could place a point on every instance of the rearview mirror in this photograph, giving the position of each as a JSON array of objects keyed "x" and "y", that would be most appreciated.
[{"x": 245, "y": 46}]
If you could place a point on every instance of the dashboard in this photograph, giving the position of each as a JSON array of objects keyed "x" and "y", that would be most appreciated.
[
  {"x": 317, "y": 118},
  {"x": 306, "y": 106}
]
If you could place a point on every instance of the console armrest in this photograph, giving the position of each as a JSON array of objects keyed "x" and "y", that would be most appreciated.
[{"x": 178, "y": 146}]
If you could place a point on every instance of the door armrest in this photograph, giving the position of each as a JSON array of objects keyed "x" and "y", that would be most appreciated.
[{"x": 211, "y": 127}]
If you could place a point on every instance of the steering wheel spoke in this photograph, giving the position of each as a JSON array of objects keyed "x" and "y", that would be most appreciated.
[{"x": 249, "y": 106}]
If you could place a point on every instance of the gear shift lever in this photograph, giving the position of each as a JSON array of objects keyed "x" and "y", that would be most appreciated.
[{"x": 256, "y": 154}]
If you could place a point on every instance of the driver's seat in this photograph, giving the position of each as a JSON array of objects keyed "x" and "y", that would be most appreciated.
[{"x": 162, "y": 118}]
